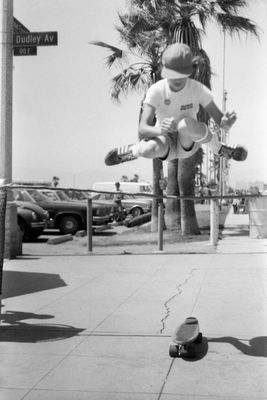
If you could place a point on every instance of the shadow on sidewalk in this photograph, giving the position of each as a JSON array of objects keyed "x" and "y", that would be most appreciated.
[
  {"x": 17, "y": 283},
  {"x": 257, "y": 346},
  {"x": 21, "y": 332}
]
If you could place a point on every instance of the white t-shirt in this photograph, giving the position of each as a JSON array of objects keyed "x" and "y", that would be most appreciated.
[{"x": 184, "y": 103}]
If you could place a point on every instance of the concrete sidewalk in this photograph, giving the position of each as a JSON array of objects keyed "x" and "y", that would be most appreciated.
[{"x": 99, "y": 327}]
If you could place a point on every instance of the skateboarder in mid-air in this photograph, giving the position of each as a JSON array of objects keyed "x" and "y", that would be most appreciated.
[{"x": 174, "y": 101}]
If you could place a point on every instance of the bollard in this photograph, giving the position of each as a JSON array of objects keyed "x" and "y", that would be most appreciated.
[
  {"x": 214, "y": 222},
  {"x": 89, "y": 225},
  {"x": 160, "y": 226}
]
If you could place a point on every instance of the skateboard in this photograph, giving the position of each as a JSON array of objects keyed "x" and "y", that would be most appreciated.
[{"x": 184, "y": 337}]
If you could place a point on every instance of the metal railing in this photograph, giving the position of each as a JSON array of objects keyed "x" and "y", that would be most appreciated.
[{"x": 214, "y": 209}]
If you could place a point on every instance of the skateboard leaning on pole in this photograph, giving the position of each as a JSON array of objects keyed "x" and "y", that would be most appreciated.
[{"x": 184, "y": 338}]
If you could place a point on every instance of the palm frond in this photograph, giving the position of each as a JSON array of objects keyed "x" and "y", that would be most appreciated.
[
  {"x": 116, "y": 56},
  {"x": 231, "y": 5},
  {"x": 105, "y": 45},
  {"x": 186, "y": 32},
  {"x": 234, "y": 24},
  {"x": 202, "y": 68},
  {"x": 132, "y": 78}
]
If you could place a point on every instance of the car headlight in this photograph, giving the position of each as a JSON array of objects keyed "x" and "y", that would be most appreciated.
[
  {"x": 34, "y": 216},
  {"x": 46, "y": 214}
]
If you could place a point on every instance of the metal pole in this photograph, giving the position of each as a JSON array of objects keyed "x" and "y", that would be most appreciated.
[
  {"x": 160, "y": 226},
  {"x": 214, "y": 222},
  {"x": 89, "y": 225},
  {"x": 6, "y": 83},
  {"x": 223, "y": 164},
  {"x": 13, "y": 240}
]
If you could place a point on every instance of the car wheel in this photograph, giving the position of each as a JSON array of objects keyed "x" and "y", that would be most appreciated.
[
  {"x": 136, "y": 211},
  {"x": 69, "y": 224},
  {"x": 35, "y": 235},
  {"x": 24, "y": 229}
]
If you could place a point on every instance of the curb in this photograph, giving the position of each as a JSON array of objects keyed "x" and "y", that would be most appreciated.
[
  {"x": 81, "y": 233},
  {"x": 60, "y": 239}
]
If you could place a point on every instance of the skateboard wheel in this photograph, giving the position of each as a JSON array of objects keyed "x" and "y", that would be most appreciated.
[
  {"x": 199, "y": 338},
  {"x": 184, "y": 353},
  {"x": 173, "y": 351},
  {"x": 189, "y": 353}
]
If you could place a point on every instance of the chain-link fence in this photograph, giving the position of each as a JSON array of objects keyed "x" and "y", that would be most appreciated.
[{"x": 3, "y": 197}]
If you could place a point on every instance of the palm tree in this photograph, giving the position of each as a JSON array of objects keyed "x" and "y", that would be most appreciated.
[
  {"x": 224, "y": 13},
  {"x": 146, "y": 29}
]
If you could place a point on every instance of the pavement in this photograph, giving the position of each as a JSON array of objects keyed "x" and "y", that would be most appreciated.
[{"x": 98, "y": 326}]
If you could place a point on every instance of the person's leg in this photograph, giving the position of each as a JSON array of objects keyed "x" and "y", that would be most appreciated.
[
  {"x": 191, "y": 131},
  {"x": 153, "y": 148}
]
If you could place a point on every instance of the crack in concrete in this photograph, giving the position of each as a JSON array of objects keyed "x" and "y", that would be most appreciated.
[{"x": 170, "y": 299}]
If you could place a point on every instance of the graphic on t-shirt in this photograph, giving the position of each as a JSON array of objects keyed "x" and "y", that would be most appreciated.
[{"x": 186, "y": 107}]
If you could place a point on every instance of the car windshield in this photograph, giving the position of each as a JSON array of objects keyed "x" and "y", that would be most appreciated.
[
  {"x": 62, "y": 196},
  {"x": 111, "y": 196},
  {"x": 22, "y": 195},
  {"x": 51, "y": 195},
  {"x": 37, "y": 195},
  {"x": 75, "y": 195},
  {"x": 103, "y": 196}
]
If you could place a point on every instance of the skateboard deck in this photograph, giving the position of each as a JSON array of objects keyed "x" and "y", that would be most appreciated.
[{"x": 184, "y": 337}]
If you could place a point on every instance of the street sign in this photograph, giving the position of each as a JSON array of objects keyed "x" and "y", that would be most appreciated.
[
  {"x": 35, "y": 39},
  {"x": 18, "y": 27},
  {"x": 25, "y": 51}
]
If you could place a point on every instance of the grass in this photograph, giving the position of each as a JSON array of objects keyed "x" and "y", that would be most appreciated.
[{"x": 142, "y": 234}]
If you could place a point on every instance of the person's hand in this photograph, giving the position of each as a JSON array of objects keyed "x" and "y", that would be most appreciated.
[
  {"x": 168, "y": 125},
  {"x": 228, "y": 120}
]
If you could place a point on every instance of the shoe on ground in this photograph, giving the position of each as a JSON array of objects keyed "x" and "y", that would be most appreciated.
[
  {"x": 119, "y": 155},
  {"x": 233, "y": 151}
]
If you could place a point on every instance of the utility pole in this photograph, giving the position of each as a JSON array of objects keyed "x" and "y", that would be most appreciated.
[
  {"x": 6, "y": 69},
  {"x": 12, "y": 237}
]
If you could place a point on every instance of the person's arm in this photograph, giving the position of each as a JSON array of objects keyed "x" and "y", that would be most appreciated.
[
  {"x": 147, "y": 128},
  {"x": 225, "y": 121}
]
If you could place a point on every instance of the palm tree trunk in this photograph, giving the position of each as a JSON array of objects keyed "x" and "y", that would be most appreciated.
[
  {"x": 172, "y": 211},
  {"x": 186, "y": 180},
  {"x": 157, "y": 191}
]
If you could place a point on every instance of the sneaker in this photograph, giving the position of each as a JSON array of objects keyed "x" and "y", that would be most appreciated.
[
  {"x": 234, "y": 151},
  {"x": 120, "y": 155}
]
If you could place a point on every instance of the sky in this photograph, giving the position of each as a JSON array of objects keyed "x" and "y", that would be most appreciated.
[{"x": 64, "y": 121}]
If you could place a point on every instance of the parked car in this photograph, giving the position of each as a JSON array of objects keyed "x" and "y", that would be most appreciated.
[
  {"x": 76, "y": 195},
  {"x": 128, "y": 187},
  {"x": 57, "y": 195},
  {"x": 132, "y": 204},
  {"x": 32, "y": 219},
  {"x": 67, "y": 216}
]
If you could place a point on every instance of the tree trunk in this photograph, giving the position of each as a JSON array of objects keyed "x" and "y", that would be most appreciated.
[
  {"x": 173, "y": 210},
  {"x": 157, "y": 191},
  {"x": 186, "y": 180}
]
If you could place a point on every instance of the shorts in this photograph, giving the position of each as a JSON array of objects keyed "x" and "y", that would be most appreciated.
[{"x": 176, "y": 150}]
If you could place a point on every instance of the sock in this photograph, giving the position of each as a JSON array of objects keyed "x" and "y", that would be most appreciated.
[
  {"x": 205, "y": 138},
  {"x": 134, "y": 149}
]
